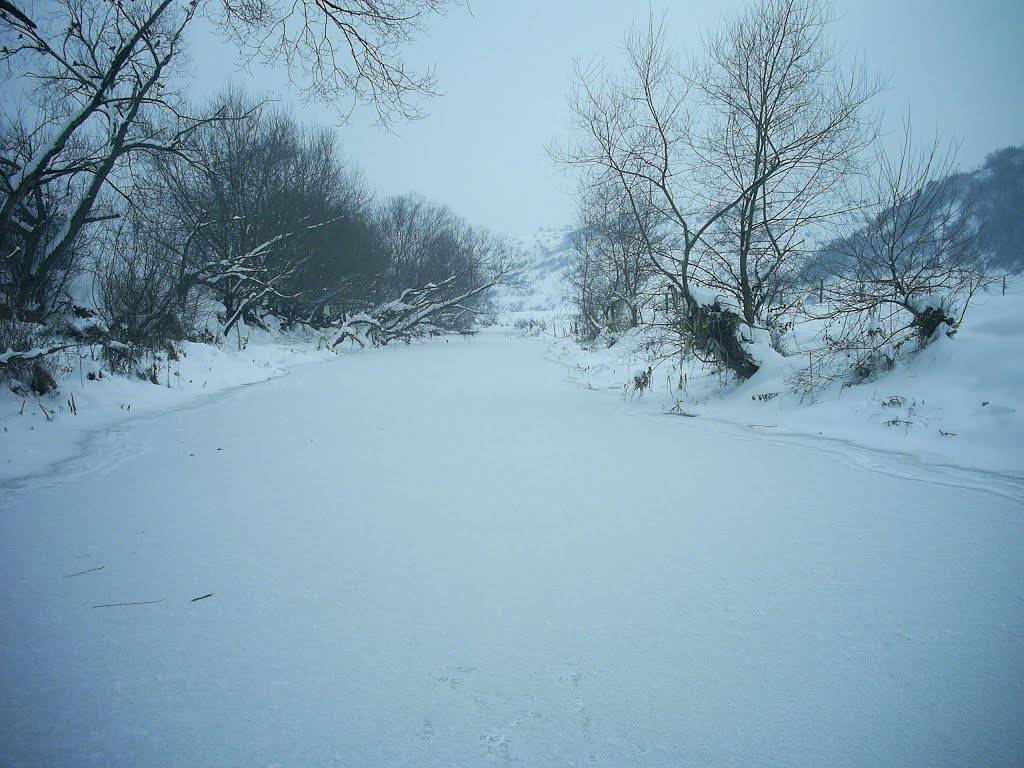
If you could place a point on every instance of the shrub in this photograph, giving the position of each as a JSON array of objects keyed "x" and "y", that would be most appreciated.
[{"x": 30, "y": 376}]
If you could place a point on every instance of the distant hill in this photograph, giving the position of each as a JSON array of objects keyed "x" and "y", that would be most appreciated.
[
  {"x": 999, "y": 186},
  {"x": 542, "y": 285},
  {"x": 997, "y": 189}
]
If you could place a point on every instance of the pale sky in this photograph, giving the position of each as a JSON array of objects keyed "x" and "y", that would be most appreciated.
[{"x": 505, "y": 69}]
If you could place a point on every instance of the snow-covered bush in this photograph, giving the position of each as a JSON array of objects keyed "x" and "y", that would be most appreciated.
[
  {"x": 22, "y": 368},
  {"x": 532, "y": 326}
]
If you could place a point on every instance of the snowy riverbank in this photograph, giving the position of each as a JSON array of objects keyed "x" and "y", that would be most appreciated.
[
  {"x": 956, "y": 404},
  {"x": 36, "y": 432}
]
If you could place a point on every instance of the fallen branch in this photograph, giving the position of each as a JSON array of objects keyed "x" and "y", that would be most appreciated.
[
  {"x": 10, "y": 357},
  {"x": 90, "y": 570},
  {"x": 116, "y": 605},
  {"x": 421, "y": 311}
]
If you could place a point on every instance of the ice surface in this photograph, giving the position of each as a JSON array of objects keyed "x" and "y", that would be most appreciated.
[{"x": 449, "y": 554}]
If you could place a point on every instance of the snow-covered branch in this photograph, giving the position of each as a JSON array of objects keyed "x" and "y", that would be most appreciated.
[{"x": 420, "y": 311}]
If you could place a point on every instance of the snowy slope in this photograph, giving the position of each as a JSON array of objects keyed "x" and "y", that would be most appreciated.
[
  {"x": 542, "y": 289},
  {"x": 37, "y": 432},
  {"x": 959, "y": 403},
  {"x": 448, "y": 555}
]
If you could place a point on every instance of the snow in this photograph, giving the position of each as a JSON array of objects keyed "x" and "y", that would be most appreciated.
[
  {"x": 925, "y": 301},
  {"x": 450, "y": 554},
  {"x": 960, "y": 401},
  {"x": 31, "y": 439},
  {"x": 542, "y": 286},
  {"x": 706, "y": 297},
  {"x": 27, "y": 354},
  {"x": 83, "y": 326}
]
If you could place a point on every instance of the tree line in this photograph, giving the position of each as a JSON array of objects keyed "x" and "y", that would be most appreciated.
[{"x": 114, "y": 183}]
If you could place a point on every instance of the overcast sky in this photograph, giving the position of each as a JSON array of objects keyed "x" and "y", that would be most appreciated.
[{"x": 505, "y": 69}]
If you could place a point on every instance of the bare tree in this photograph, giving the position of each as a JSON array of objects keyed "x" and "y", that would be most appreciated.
[
  {"x": 245, "y": 208},
  {"x": 439, "y": 270},
  {"x": 736, "y": 154},
  {"x": 339, "y": 51},
  {"x": 98, "y": 97},
  {"x": 786, "y": 127},
  {"x": 612, "y": 268},
  {"x": 423, "y": 242},
  {"x": 97, "y": 93},
  {"x": 911, "y": 263},
  {"x": 638, "y": 132},
  {"x": 34, "y": 274},
  {"x": 450, "y": 304},
  {"x": 135, "y": 291},
  {"x": 103, "y": 165}
]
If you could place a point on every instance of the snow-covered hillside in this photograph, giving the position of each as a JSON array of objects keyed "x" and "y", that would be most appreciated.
[{"x": 541, "y": 289}]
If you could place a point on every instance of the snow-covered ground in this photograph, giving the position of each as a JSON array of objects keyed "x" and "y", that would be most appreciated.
[
  {"x": 959, "y": 403},
  {"x": 35, "y": 432},
  {"x": 451, "y": 554},
  {"x": 541, "y": 289}
]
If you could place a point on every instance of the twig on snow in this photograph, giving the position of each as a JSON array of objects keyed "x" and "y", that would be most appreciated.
[
  {"x": 90, "y": 570},
  {"x": 115, "y": 605}
]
